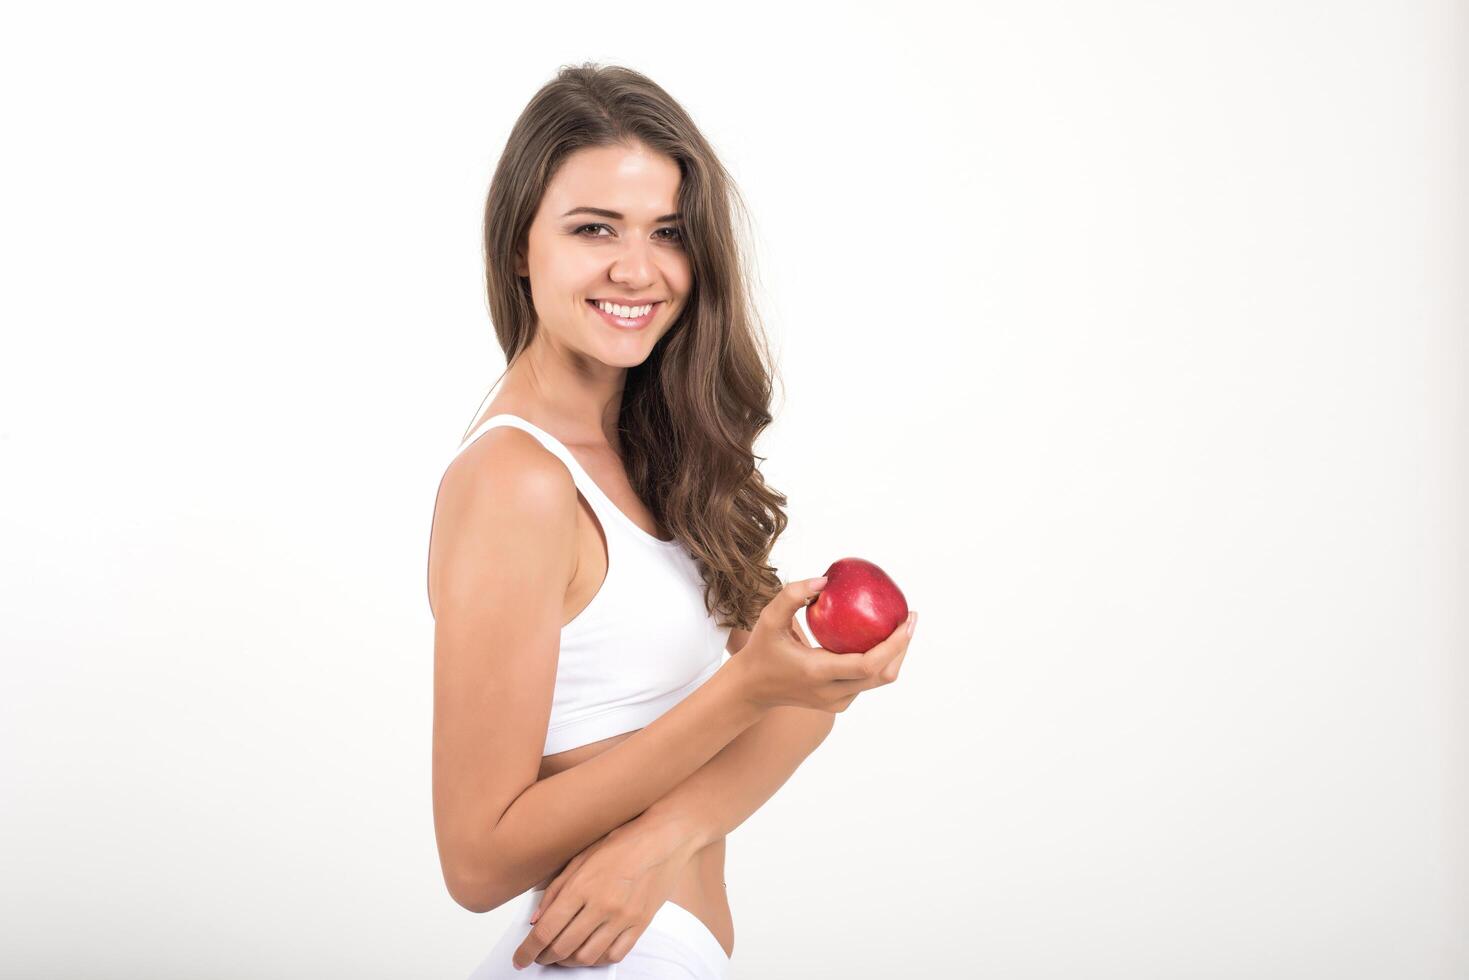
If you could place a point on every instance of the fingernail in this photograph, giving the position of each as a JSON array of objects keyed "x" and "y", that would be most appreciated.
[
  {"x": 817, "y": 583},
  {"x": 912, "y": 622},
  {"x": 534, "y": 917}
]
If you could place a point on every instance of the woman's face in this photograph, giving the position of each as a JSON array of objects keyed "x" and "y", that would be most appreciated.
[{"x": 633, "y": 250}]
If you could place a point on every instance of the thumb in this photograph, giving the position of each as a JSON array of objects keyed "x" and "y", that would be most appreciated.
[{"x": 782, "y": 609}]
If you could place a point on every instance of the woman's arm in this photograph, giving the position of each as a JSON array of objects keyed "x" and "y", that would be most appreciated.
[
  {"x": 502, "y": 550},
  {"x": 675, "y": 755},
  {"x": 727, "y": 789},
  {"x": 744, "y": 775},
  {"x": 554, "y": 819},
  {"x": 638, "y": 863}
]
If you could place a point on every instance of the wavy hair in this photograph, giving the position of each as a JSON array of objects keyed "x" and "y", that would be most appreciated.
[{"x": 691, "y": 411}]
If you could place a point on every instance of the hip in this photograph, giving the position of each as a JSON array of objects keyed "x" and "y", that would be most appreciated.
[
  {"x": 699, "y": 890},
  {"x": 675, "y": 944}
]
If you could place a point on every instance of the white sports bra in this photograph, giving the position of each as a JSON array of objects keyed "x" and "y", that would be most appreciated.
[{"x": 644, "y": 642}]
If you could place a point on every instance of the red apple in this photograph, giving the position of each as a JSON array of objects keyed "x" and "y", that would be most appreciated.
[{"x": 859, "y": 608}]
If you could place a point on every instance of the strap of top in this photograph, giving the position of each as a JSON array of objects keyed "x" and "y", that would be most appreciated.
[
  {"x": 541, "y": 435},
  {"x": 605, "y": 509}
]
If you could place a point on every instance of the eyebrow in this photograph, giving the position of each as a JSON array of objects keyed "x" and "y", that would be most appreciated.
[{"x": 603, "y": 212}]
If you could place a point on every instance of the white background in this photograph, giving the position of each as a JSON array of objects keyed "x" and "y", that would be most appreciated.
[{"x": 1129, "y": 338}]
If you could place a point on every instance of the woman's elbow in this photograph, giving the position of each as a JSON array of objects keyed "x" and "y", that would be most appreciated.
[{"x": 474, "y": 892}]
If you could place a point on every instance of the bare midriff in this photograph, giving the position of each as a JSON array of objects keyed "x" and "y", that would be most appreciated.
[
  {"x": 699, "y": 888},
  {"x": 700, "y": 885}
]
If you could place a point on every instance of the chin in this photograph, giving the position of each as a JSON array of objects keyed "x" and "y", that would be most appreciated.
[
  {"x": 630, "y": 361},
  {"x": 624, "y": 355}
]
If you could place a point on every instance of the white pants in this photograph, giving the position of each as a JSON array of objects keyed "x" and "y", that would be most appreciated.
[{"x": 676, "y": 945}]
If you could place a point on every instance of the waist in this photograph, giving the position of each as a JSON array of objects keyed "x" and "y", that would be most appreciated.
[
  {"x": 699, "y": 890},
  {"x": 700, "y": 886}
]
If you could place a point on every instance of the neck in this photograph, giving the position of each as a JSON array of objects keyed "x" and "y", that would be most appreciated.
[{"x": 577, "y": 398}]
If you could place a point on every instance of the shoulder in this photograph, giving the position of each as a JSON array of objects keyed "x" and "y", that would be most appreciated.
[
  {"x": 508, "y": 471},
  {"x": 506, "y": 506},
  {"x": 506, "y": 482},
  {"x": 510, "y": 460}
]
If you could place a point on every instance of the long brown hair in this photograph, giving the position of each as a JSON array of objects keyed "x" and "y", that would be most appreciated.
[{"x": 692, "y": 410}]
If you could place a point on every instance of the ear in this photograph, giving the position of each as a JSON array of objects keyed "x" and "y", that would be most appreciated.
[{"x": 521, "y": 268}]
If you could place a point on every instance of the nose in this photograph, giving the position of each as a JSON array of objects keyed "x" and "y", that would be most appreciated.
[{"x": 633, "y": 264}]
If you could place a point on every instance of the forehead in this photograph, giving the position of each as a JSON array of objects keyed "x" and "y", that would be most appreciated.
[{"x": 635, "y": 181}]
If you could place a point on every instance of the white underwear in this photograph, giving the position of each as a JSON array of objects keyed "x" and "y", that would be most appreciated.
[{"x": 676, "y": 945}]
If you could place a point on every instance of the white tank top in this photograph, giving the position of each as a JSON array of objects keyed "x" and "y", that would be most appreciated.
[{"x": 644, "y": 642}]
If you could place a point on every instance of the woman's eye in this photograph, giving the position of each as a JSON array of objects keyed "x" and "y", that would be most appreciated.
[{"x": 676, "y": 236}]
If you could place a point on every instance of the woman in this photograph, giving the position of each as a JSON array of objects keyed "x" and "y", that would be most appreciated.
[{"x": 601, "y": 540}]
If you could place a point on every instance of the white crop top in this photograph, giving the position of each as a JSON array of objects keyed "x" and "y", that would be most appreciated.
[{"x": 644, "y": 642}]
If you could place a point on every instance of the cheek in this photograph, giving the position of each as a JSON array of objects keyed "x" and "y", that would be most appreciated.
[
  {"x": 680, "y": 272},
  {"x": 566, "y": 268}
]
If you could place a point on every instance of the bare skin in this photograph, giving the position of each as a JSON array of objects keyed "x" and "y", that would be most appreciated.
[
  {"x": 700, "y": 888},
  {"x": 570, "y": 381}
]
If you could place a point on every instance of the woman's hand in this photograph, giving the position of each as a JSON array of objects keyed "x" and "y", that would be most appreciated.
[
  {"x": 778, "y": 666},
  {"x": 596, "y": 908}
]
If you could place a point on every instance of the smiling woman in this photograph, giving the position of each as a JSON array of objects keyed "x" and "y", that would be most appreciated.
[
  {"x": 600, "y": 541},
  {"x": 681, "y": 392}
]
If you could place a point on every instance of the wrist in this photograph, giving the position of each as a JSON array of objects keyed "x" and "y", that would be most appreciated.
[{"x": 742, "y": 685}]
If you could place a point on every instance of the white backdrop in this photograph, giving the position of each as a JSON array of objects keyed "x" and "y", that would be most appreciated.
[{"x": 1129, "y": 338}]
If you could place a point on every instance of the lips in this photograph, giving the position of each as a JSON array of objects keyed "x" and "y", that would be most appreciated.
[{"x": 627, "y": 323}]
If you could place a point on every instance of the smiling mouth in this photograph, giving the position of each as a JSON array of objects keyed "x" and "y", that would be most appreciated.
[{"x": 627, "y": 323}]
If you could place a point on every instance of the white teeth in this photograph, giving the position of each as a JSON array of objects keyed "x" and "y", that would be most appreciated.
[{"x": 626, "y": 312}]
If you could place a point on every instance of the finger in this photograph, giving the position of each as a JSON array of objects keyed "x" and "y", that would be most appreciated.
[
  {"x": 552, "y": 921},
  {"x": 857, "y": 667},
  {"x": 542, "y": 905},
  {"x": 572, "y": 937},
  {"x": 782, "y": 609},
  {"x": 559, "y": 882},
  {"x": 547, "y": 897},
  {"x": 886, "y": 674},
  {"x": 623, "y": 944},
  {"x": 592, "y": 950},
  {"x": 890, "y": 672}
]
